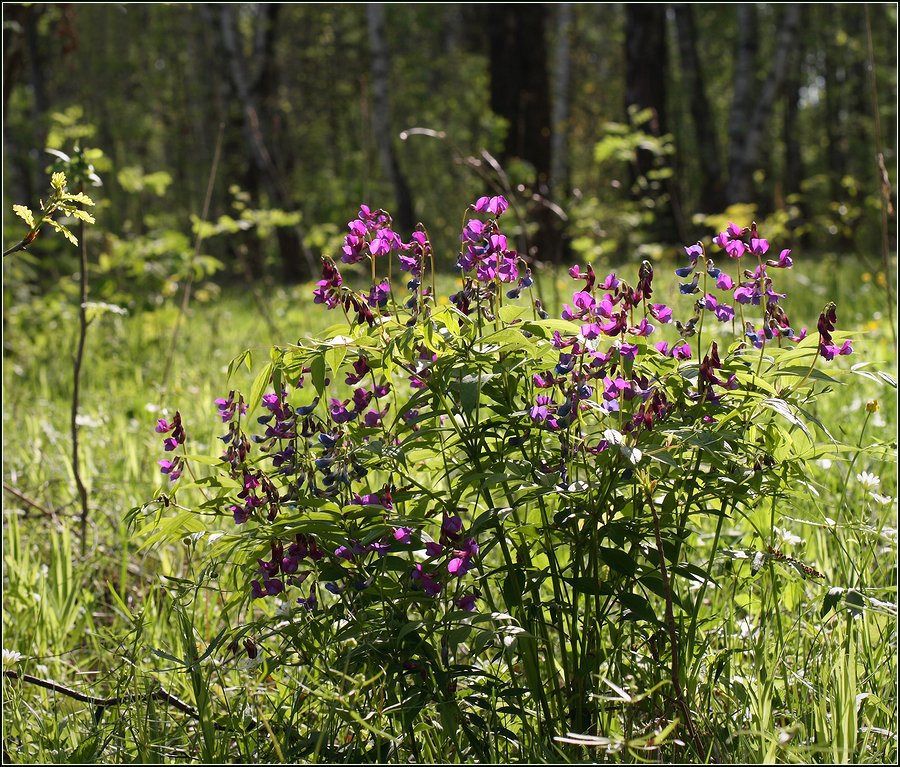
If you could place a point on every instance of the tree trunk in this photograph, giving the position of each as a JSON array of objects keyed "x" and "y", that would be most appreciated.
[
  {"x": 793, "y": 160},
  {"x": 712, "y": 191},
  {"x": 381, "y": 117},
  {"x": 296, "y": 259},
  {"x": 743, "y": 96},
  {"x": 645, "y": 88},
  {"x": 755, "y": 113},
  {"x": 520, "y": 93},
  {"x": 559, "y": 145}
]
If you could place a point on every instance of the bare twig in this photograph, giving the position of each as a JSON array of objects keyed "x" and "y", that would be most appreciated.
[
  {"x": 76, "y": 386},
  {"x": 29, "y": 501},
  {"x": 118, "y": 700},
  {"x": 21, "y": 245}
]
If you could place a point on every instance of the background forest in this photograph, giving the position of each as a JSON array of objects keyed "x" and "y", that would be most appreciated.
[
  {"x": 619, "y": 127},
  {"x": 225, "y": 147}
]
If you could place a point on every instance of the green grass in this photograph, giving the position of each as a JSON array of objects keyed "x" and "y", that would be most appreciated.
[{"x": 769, "y": 676}]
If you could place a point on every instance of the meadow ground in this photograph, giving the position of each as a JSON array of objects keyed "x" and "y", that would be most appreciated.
[{"x": 797, "y": 685}]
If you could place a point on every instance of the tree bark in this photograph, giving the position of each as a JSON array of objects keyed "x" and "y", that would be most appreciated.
[
  {"x": 712, "y": 190},
  {"x": 381, "y": 116},
  {"x": 743, "y": 95},
  {"x": 754, "y": 113},
  {"x": 646, "y": 73},
  {"x": 296, "y": 259},
  {"x": 520, "y": 93},
  {"x": 562, "y": 72}
]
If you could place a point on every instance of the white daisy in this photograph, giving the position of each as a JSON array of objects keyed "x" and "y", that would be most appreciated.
[
  {"x": 11, "y": 657},
  {"x": 868, "y": 481}
]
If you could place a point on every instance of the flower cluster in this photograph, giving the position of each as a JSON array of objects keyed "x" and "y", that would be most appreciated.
[
  {"x": 174, "y": 467},
  {"x": 342, "y": 448},
  {"x": 827, "y": 348}
]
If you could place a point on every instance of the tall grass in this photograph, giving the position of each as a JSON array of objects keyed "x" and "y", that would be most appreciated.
[{"x": 777, "y": 666}]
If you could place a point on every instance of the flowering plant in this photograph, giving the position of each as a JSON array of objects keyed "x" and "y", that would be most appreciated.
[{"x": 464, "y": 499}]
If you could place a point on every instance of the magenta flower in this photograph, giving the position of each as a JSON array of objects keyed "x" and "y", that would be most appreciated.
[
  {"x": 724, "y": 282},
  {"x": 784, "y": 261},
  {"x": 495, "y": 205},
  {"x": 661, "y": 312}
]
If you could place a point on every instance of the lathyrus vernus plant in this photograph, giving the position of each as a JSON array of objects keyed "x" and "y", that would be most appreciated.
[{"x": 478, "y": 514}]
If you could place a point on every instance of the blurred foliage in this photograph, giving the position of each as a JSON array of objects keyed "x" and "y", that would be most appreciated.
[{"x": 147, "y": 84}]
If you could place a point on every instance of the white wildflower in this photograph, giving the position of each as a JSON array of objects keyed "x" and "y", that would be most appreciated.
[
  {"x": 884, "y": 500},
  {"x": 787, "y": 536},
  {"x": 11, "y": 657},
  {"x": 868, "y": 481}
]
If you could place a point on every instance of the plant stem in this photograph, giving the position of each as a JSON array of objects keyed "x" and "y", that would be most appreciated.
[
  {"x": 670, "y": 624},
  {"x": 76, "y": 386}
]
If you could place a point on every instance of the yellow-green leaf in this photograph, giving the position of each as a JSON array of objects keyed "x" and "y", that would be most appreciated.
[
  {"x": 83, "y": 215},
  {"x": 25, "y": 214},
  {"x": 63, "y": 231},
  {"x": 58, "y": 181},
  {"x": 79, "y": 197}
]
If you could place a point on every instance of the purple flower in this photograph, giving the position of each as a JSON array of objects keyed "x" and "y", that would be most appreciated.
[
  {"x": 466, "y": 602},
  {"x": 628, "y": 351},
  {"x": 338, "y": 411},
  {"x": 643, "y": 329},
  {"x": 540, "y": 411},
  {"x": 425, "y": 581},
  {"x": 169, "y": 444},
  {"x": 402, "y": 535},
  {"x": 342, "y": 552},
  {"x": 690, "y": 287},
  {"x": 473, "y": 230},
  {"x": 747, "y": 294},
  {"x": 724, "y": 282},
  {"x": 495, "y": 205},
  {"x": 162, "y": 426},
  {"x": 693, "y": 253},
  {"x": 433, "y": 549},
  {"x": 735, "y": 248},
  {"x": 661, "y": 312},
  {"x": 759, "y": 247},
  {"x": 784, "y": 261}
]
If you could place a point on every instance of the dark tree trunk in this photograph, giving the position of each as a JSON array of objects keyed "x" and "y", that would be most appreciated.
[
  {"x": 743, "y": 96},
  {"x": 562, "y": 74},
  {"x": 834, "y": 75},
  {"x": 520, "y": 93},
  {"x": 296, "y": 259},
  {"x": 381, "y": 117},
  {"x": 753, "y": 113},
  {"x": 712, "y": 190},
  {"x": 793, "y": 160},
  {"x": 646, "y": 72}
]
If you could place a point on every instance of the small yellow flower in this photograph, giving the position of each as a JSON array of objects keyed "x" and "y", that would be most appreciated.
[
  {"x": 872, "y": 406},
  {"x": 866, "y": 277}
]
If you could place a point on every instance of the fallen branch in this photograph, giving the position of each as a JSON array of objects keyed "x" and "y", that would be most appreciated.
[
  {"x": 29, "y": 502},
  {"x": 104, "y": 703}
]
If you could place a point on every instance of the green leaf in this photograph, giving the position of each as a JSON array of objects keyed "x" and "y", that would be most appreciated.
[
  {"x": 637, "y": 608},
  {"x": 83, "y": 215},
  {"x": 25, "y": 214},
  {"x": 334, "y": 357},
  {"x": 618, "y": 560},
  {"x": 260, "y": 383},
  {"x": 782, "y": 408},
  {"x": 317, "y": 373},
  {"x": 79, "y": 197},
  {"x": 63, "y": 231}
]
